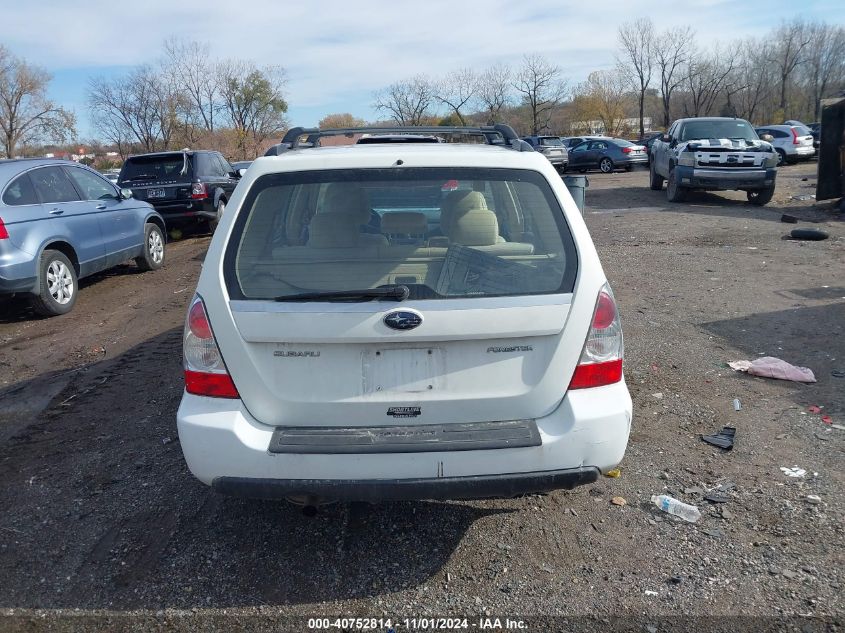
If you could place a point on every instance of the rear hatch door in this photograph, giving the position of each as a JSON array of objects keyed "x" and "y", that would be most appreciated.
[{"x": 159, "y": 178}]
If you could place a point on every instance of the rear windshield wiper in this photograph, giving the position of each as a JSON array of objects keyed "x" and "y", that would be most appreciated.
[
  {"x": 143, "y": 177},
  {"x": 399, "y": 293}
]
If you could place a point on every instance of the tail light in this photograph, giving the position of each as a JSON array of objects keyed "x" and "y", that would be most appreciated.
[
  {"x": 198, "y": 191},
  {"x": 795, "y": 140},
  {"x": 4, "y": 234},
  {"x": 626, "y": 150},
  {"x": 205, "y": 371},
  {"x": 601, "y": 359}
]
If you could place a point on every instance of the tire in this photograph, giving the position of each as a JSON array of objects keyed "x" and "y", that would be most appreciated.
[
  {"x": 808, "y": 234},
  {"x": 606, "y": 165},
  {"x": 221, "y": 207},
  {"x": 655, "y": 181},
  {"x": 153, "y": 257},
  {"x": 760, "y": 196},
  {"x": 781, "y": 157},
  {"x": 57, "y": 285},
  {"x": 674, "y": 191}
]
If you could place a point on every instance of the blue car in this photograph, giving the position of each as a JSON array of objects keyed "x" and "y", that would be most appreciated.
[{"x": 59, "y": 222}]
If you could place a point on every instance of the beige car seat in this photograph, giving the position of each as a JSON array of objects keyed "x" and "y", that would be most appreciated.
[{"x": 338, "y": 221}]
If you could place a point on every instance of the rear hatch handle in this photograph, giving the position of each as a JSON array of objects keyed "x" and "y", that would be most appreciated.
[{"x": 399, "y": 293}]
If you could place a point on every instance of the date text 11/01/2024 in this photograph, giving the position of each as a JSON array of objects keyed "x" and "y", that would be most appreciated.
[{"x": 388, "y": 625}]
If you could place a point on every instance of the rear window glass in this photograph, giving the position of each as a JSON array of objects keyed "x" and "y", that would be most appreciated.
[
  {"x": 20, "y": 192},
  {"x": 161, "y": 167},
  {"x": 550, "y": 140},
  {"x": 442, "y": 233}
]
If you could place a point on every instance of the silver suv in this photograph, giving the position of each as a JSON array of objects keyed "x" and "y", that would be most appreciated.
[{"x": 791, "y": 142}]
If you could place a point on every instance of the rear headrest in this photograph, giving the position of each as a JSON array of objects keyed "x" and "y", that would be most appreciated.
[
  {"x": 346, "y": 198},
  {"x": 474, "y": 227},
  {"x": 404, "y": 223},
  {"x": 333, "y": 230},
  {"x": 456, "y": 201}
]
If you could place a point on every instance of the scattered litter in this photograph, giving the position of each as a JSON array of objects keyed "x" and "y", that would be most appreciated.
[
  {"x": 814, "y": 409},
  {"x": 657, "y": 395},
  {"x": 176, "y": 292},
  {"x": 613, "y": 474},
  {"x": 649, "y": 592},
  {"x": 737, "y": 405},
  {"x": 813, "y": 235},
  {"x": 694, "y": 490},
  {"x": 714, "y": 532},
  {"x": 813, "y": 499},
  {"x": 680, "y": 509},
  {"x": 804, "y": 197},
  {"x": 827, "y": 419},
  {"x": 770, "y": 367},
  {"x": 838, "y": 373},
  {"x": 789, "y": 219},
  {"x": 723, "y": 439},
  {"x": 717, "y": 497},
  {"x": 794, "y": 472},
  {"x": 166, "y": 440},
  {"x": 618, "y": 501},
  {"x": 675, "y": 580},
  {"x": 780, "y": 436},
  {"x": 838, "y": 427}
]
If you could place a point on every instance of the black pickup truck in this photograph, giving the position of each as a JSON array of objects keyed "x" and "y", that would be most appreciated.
[{"x": 713, "y": 154}]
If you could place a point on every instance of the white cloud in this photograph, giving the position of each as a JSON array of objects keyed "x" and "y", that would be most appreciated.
[{"x": 335, "y": 48}]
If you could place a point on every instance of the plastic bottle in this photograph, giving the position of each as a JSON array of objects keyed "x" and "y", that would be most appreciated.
[{"x": 678, "y": 508}]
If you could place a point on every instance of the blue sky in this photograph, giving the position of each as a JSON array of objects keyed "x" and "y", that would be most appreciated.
[{"x": 337, "y": 53}]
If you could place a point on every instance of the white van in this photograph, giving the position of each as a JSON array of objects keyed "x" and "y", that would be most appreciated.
[{"x": 402, "y": 321}]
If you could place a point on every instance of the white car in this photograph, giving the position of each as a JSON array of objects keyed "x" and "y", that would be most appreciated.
[
  {"x": 791, "y": 142},
  {"x": 402, "y": 321}
]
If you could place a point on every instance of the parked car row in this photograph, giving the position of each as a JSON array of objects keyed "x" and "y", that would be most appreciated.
[
  {"x": 582, "y": 153},
  {"x": 791, "y": 142}
]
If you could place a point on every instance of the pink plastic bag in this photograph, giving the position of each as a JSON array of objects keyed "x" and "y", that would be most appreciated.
[{"x": 770, "y": 367}]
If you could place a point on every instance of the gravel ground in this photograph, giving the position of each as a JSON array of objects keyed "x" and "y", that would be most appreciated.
[{"x": 103, "y": 527}]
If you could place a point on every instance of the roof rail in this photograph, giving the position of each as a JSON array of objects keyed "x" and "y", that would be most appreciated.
[{"x": 498, "y": 134}]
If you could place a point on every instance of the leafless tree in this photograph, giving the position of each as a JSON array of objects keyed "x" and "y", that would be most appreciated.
[
  {"x": 671, "y": 53},
  {"x": 825, "y": 57},
  {"x": 408, "y": 101},
  {"x": 494, "y": 90},
  {"x": 141, "y": 107},
  {"x": 754, "y": 79},
  {"x": 27, "y": 116},
  {"x": 706, "y": 77},
  {"x": 457, "y": 91},
  {"x": 789, "y": 41},
  {"x": 192, "y": 66},
  {"x": 542, "y": 87},
  {"x": 254, "y": 103},
  {"x": 636, "y": 59}
]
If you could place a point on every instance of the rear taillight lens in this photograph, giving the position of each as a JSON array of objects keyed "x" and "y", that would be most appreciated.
[
  {"x": 205, "y": 371},
  {"x": 795, "y": 140},
  {"x": 601, "y": 359},
  {"x": 199, "y": 191},
  {"x": 626, "y": 150},
  {"x": 4, "y": 234}
]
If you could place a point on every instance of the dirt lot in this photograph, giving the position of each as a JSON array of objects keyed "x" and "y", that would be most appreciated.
[{"x": 101, "y": 519}]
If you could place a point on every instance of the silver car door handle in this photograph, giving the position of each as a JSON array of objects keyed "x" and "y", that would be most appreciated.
[
  {"x": 56, "y": 211},
  {"x": 101, "y": 206}
]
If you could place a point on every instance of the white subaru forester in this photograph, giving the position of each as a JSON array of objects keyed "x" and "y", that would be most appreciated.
[{"x": 402, "y": 320}]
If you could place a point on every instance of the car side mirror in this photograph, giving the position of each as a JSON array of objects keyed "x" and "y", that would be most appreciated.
[
  {"x": 125, "y": 194},
  {"x": 767, "y": 137},
  {"x": 241, "y": 172},
  {"x": 666, "y": 138}
]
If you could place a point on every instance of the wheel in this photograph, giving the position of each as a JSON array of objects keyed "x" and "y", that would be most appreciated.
[
  {"x": 655, "y": 181},
  {"x": 57, "y": 285},
  {"x": 221, "y": 207},
  {"x": 674, "y": 191},
  {"x": 781, "y": 157},
  {"x": 760, "y": 196},
  {"x": 153, "y": 257},
  {"x": 606, "y": 165}
]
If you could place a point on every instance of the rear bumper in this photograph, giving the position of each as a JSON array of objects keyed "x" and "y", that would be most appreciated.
[
  {"x": 726, "y": 179},
  {"x": 481, "y": 487},
  {"x": 18, "y": 270},
  {"x": 226, "y": 448},
  {"x": 803, "y": 151},
  {"x": 184, "y": 212}
]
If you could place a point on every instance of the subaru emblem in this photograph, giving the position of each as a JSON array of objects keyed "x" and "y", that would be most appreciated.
[{"x": 402, "y": 320}]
